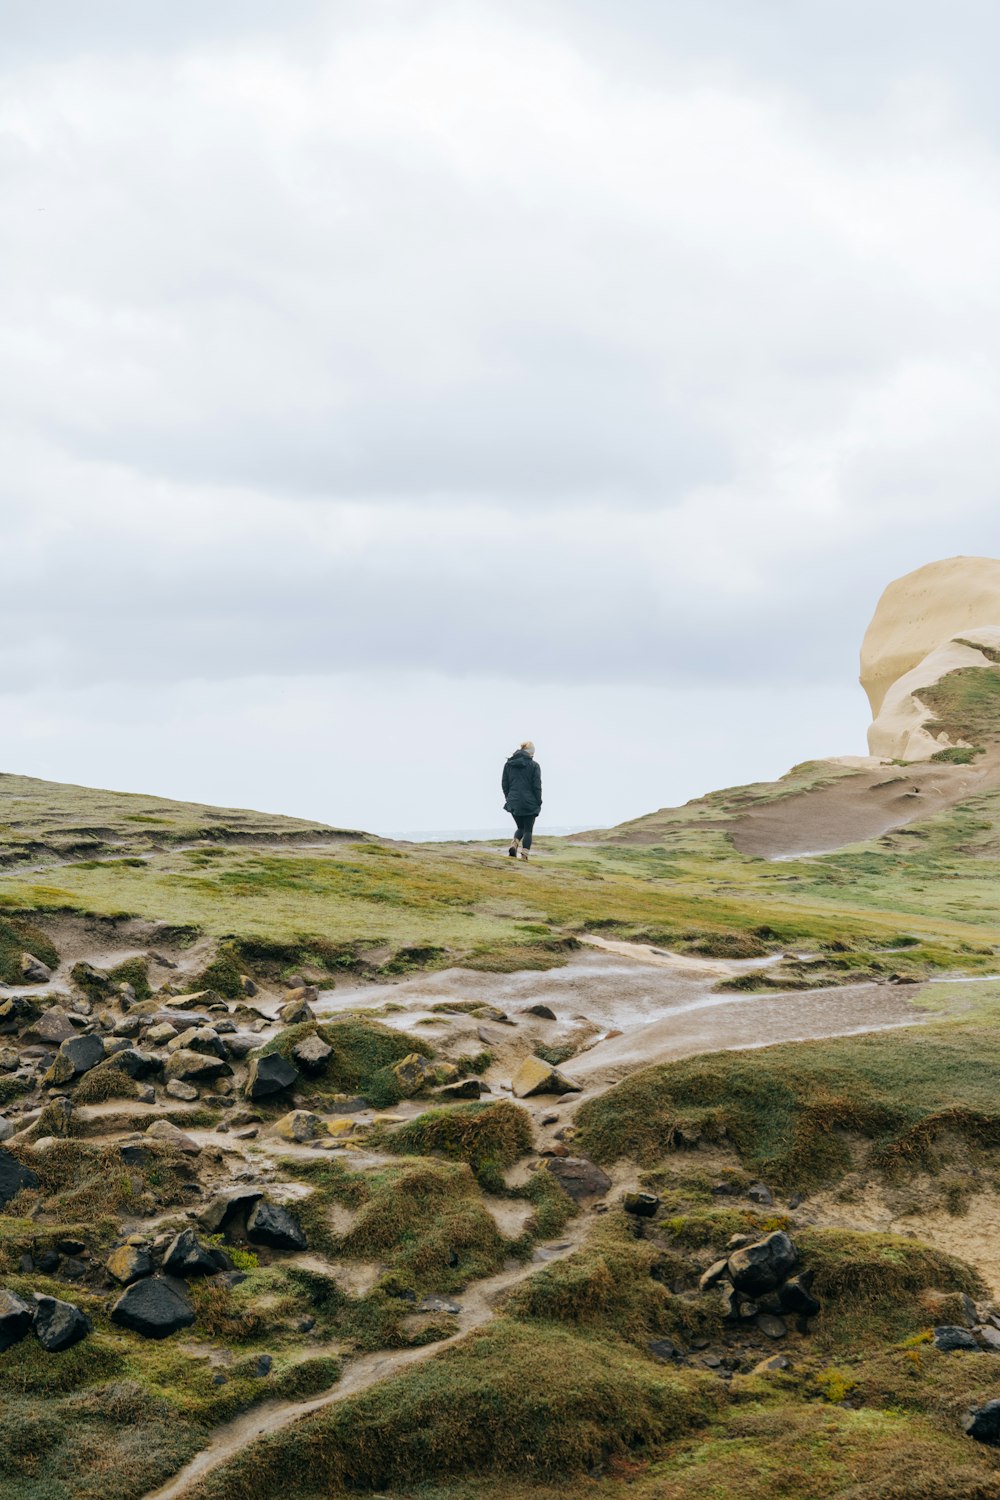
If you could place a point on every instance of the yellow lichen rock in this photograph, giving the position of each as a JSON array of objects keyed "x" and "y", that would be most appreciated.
[{"x": 535, "y": 1076}]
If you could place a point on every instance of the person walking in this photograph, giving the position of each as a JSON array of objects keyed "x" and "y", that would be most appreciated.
[{"x": 522, "y": 788}]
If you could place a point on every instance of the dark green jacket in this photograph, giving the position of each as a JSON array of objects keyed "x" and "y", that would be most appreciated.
[{"x": 522, "y": 785}]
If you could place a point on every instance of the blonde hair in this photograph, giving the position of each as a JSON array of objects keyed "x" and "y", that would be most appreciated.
[{"x": 528, "y": 747}]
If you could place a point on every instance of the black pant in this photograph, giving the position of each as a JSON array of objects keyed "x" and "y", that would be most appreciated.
[{"x": 525, "y": 823}]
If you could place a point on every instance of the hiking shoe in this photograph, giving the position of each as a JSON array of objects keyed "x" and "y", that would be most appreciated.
[
  {"x": 524, "y": 854},
  {"x": 513, "y": 850}
]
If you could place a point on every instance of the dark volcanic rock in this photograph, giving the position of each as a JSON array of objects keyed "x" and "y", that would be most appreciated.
[
  {"x": 545, "y": 1012},
  {"x": 156, "y": 1308},
  {"x": 949, "y": 1338},
  {"x": 269, "y": 1224},
  {"x": 578, "y": 1176},
  {"x": 59, "y": 1325},
  {"x": 196, "y": 1067},
  {"x": 466, "y": 1088},
  {"x": 796, "y": 1297},
  {"x": 129, "y": 1263},
  {"x": 642, "y": 1204},
  {"x": 761, "y": 1266},
  {"x": 185, "y": 1257},
  {"x": 232, "y": 1203},
  {"x": 76, "y": 1055},
  {"x": 269, "y": 1075},
  {"x": 15, "y": 1319},
  {"x": 13, "y": 1177},
  {"x": 138, "y": 1064},
  {"x": 983, "y": 1423}
]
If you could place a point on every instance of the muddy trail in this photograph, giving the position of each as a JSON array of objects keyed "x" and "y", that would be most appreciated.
[{"x": 478, "y": 1305}]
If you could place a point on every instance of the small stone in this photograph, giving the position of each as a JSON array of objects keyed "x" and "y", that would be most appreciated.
[
  {"x": 76, "y": 1056},
  {"x": 544, "y": 1012},
  {"x": 535, "y": 1076},
  {"x": 772, "y": 1326},
  {"x": 59, "y": 1325},
  {"x": 439, "y": 1305},
  {"x": 198, "y": 1039},
  {"x": 52, "y": 1026},
  {"x": 340, "y": 1126},
  {"x": 128, "y": 1026},
  {"x": 579, "y": 1177},
  {"x": 989, "y": 1337},
  {"x": 6, "y": 1129},
  {"x": 662, "y": 1349},
  {"x": 195, "y": 1067},
  {"x": 643, "y": 1205},
  {"x": 952, "y": 1338},
  {"x": 760, "y": 1266},
  {"x": 772, "y": 1365},
  {"x": 161, "y": 1034},
  {"x": 795, "y": 1297},
  {"x": 178, "y": 1090},
  {"x": 711, "y": 1361},
  {"x": 162, "y": 1130},
  {"x": 296, "y": 1012},
  {"x": 263, "y": 1366},
  {"x": 465, "y": 1088},
  {"x": 227, "y": 1206},
  {"x": 760, "y": 1193},
  {"x": 33, "y": 970},
  {"x": 412, "y": 1073},
  {"x": 15, "y": 1319}
]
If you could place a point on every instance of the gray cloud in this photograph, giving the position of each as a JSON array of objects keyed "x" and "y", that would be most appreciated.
[{"x": 555, "y": 344}]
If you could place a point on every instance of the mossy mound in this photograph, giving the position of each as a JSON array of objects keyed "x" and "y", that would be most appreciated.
[
  {"x": 17, "y": 937},
  {"x": 363, "y": 1054},
  {"x": 966, "y": 705},
  {"x": 488, "y": 1137},
  {"x": 792, "y": 1112}
]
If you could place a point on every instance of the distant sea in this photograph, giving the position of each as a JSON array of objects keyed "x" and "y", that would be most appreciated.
[{"x": 463, "y": 835}]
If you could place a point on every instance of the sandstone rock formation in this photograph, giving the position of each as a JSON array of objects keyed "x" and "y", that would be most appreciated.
[{"x": 939, "y": 620}]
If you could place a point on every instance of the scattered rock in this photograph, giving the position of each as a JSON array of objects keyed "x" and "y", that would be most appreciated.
[
  {"x": 59, "y": 1325},
  {"x": 14, "y": 1177},
  {"x": 160, "y": 1034},
  {"x": 578, "y": 1176},
  {"x": 795, "y": 1296},
  {"x": 662, "y": 1349},
  {"x": 263, "y": 1366},
  {"x": 983, "y": 1423},
  {"x": 988, "y": 1337},
  {"x": 33, "y": 970},
  {"x": 162, "y": 1130},
  {"x": 713, "y": 1275},
  {"x": 186, "y": 1257},
  {"x": 340, "y": 1126},
  {"x": 296, "y": 1011},
  {"x": 772, "y": 1365},
  {"x": 270, "y": 1224},
  {"x": 156, "y": 1307},
  {"x": 771, "y": 1325},
  {"x": 312, "y": 1054},
  {"x": 545, "y": 1012},
  {"x": 6, "y": 1129},
  {"x": 759, "y": 1267},
  {"x": 300, "y": 1125},
  {"x": 178, "y": 1090},
  {"x": 760, "y": 1193},
  {"x": 76, "y": 1056},
  {"x": 270, "y": 1074},
  {"x": 138, "y": 1064},
  {"x": 412, "y": 1073},
  {"x": 53, "y": 1026},
  {"x": 535, "y": 1076},
  {"x": 439, "y": 1305},
  {"x": 198, "y": 1039},
  {"x": 643, "y": 1205},
  {"x": 465, "y": 1088},
  {"x": 129, "y": 1263},
  {"x": 949, "y": 1338},
  {"x": 227, "y": 1206},
  {"x": 195, "y": 1067},
  {"x": 15, "y": 1319}
]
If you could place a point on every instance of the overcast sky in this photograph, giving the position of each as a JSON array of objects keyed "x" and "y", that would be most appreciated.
[{"x": 384, "y": 382}]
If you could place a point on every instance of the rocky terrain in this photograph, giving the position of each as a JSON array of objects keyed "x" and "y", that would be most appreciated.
[{"x": 665, "y": 1164}]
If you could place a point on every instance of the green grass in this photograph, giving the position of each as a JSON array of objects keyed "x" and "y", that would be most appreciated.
[
  {"x": 19, "y": 936},
  {"x": 966, "y": 705},
  {"x": 361, "y": 1063},
  {"x": 487, "y": 1137}
]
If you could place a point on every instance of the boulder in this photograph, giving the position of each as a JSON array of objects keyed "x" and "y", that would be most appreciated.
[
  {"x": 535, "y": 1076},
  {"x": 269, "y": 1074},
  {"x": 771, "y": 1325},
  {"x": 312, "y": 1054},
  {"x": 270, "y": 1224},
  {"x": 138, "y": 1064},
  {"x": 184, "y": 1091},
  {"x": 184, "y": 1256},
  {"x": 578, "y": 1177},
  {"x": 161, "y": 1033},
  {"x": 15, "y": 1319},
  {"x": 76, "y": 1056},
  {"x": 13, "y": 1177},
  {"x": 59, "y": 1325},
  {"x": 155, "y": 1307},
  {"x": 713, "y": 1275},
  {"x": 129, "y": 1263},
  {"x": 33, "y": 970},
  {"x": 296, "y": 1010},
  {"x": 983, "y": 1423},
  {"x": 196, "y": 1067},
  {"x": 761, "y": 1266},
  {"x": 300, "y": 1125}
]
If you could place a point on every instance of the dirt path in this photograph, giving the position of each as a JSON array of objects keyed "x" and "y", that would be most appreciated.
[{"x": 477, "y": 1304}]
